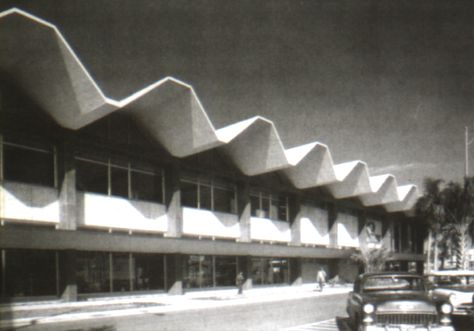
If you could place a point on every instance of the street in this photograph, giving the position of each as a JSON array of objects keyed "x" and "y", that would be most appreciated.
[
  {"x": 299, "y": 314},
  {"x": 253, "y": 316}
]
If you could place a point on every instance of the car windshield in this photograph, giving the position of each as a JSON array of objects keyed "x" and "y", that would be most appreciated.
[
  {"x": 452, "y": 280},
  {"x": 393, "y": 283}
]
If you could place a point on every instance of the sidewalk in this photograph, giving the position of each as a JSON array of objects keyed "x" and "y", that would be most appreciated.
[{"x": 22, "y": 314}]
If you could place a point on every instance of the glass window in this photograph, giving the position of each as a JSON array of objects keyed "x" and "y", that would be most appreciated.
[
  {"x": 148, "y": 272},
  {"x": 119, "y": 182},
  {"x": 189, "y": 194},
  {"x": 269, "y": 271},
  {"x": 226, "y": 270},
  {"x": 224, "y": 200},
  {"x": 146, "y": 186},
  {"x": 93, "y": 272},
  {"x": 30, "y": 273},
  {"x": 120, "y": 272},
  {"x": 26, "y": 165},
  {"x": 254, "y": 206},
  {"x": 283, "y": 209},
  {"x": 205, "y": 197},
  {"x": 269, "y": 206},
  {"x": 91, "y": 176},
  {"x": 199, "y": 271}
]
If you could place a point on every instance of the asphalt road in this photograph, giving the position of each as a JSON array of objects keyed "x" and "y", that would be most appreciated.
[{"x": 269, "y": 316}]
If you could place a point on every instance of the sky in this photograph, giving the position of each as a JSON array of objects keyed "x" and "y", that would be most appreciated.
[{"x": 390, "y": 83}]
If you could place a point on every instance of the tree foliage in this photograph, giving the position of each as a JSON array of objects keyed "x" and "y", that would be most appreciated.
[{"x": 449, "y": 212}]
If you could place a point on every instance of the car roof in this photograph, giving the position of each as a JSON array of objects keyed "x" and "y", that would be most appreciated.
[{"x": 450, "y": 273}]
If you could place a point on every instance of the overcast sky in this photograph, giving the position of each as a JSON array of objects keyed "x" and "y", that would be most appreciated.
[{"x": 387, "y": 82}]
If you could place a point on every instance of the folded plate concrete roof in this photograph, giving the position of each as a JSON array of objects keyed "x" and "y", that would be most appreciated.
[{"x": 38, "y": 58}]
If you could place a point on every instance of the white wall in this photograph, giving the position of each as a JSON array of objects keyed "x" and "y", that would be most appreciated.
[
  {"x": 120, "y": 213},
  {"x": 347, "y": 230},
  {"x": 29, "y": 203},
  {"x": 269, "y": 230},
  {"x": 314, "y": 226},
  {"x": 209, "y": 223}
]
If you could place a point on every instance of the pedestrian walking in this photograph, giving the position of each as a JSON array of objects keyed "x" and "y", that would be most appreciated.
[
  {"x": 321, "y": 278},
  {"x": 239, "y": 281}
]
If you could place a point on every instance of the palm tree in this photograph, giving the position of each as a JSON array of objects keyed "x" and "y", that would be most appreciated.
[
  {"x": 430, "y": 209},
  {"x": 459, "y": 214},
  {"x": 372, "y": 259}
]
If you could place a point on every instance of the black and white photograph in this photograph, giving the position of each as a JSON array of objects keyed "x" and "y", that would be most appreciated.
[{"x": 236, "y": 165}]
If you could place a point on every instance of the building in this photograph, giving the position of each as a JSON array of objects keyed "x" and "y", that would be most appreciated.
[{"x": 103, "y": 197}]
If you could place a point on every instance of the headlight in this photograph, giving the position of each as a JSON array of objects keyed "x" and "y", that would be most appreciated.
[
  {"x": 446, "y": 308},
  {"x": 369, "y": 308},
  {"x": 452, "y": 298}
]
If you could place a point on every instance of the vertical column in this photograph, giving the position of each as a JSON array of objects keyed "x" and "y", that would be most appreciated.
[
  {"x": 174, "y": 273},
  {"x": 332, "y": 224},
  {"x": 295, "y": 271},
  {"x": 294, "y": 218},
  {"x": 173, "y": 201},
  {"x": 387, "y": 233},
  {"x": 244, "y": 265},
  {"x": 66, "y": 173},
  {"x": 243, "y": 210},
  {"x": 4, "y": 274},
  {"x": 67, "y": 275}
]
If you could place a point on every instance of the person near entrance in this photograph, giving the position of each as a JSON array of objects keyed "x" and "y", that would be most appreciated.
[
  {"x": 239, "y": 281},
  {"x": 321, "y": 278}
]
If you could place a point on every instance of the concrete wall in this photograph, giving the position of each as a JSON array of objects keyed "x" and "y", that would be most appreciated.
[
  {"x": 28, "y": 202},
  {"x": 347, "y": 230},
  {"x": 269, "y": 230},
  {"x": 95, "y": 210},
  {"x": 210, "y": 224},
  {"x": 314, "y": 226}
]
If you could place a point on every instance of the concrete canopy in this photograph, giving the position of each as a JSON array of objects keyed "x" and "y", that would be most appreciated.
[{"x": 35, "y": 55}]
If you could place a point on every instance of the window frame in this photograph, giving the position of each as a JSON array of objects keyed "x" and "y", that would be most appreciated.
[
  {"x": 271, "y": 197},
  {"x": 212, "y": 184},
  {"x": 47, "y": 148},
  {"x": 109, "y": 164}
]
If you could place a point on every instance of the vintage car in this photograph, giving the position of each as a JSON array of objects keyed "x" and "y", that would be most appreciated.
[
  {"x": 389, "y": 301},
  {"x": 455, "y": 286}
]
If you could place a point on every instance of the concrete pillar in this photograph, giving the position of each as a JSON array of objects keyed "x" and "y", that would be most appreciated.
[
  {"x": 66, "y": 173},
  {"x": 295, "y": 271},
  {"x": 243, "y": 210},
  {"x": 332, "y": 223},
  {"x": 67, "y": 275},
  {"x": 294, "y": 217},
  {"x": 175, "y": 274},
  {"x": 173, "y": 201}
]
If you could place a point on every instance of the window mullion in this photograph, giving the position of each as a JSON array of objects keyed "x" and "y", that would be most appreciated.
[
  {"x": 55, "y": 167},
  {"x": 109, "y": 178},
  {"x": 129, "y": 180},
  {"x": 163, "y": 185},
  {"x": 212, "y": 195},
  {"x": 198, "y": 195}
]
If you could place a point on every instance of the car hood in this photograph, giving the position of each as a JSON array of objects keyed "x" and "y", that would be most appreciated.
[
  {"x": 455, "y": 296},
  {"x": 457, "y": 288},
  {"x": 401, "y": 302}
]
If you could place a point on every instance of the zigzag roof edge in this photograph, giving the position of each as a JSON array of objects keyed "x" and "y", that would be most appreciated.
[
  {"x": 64, "y": 41},
  {"x": 226, "y": 134}
]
